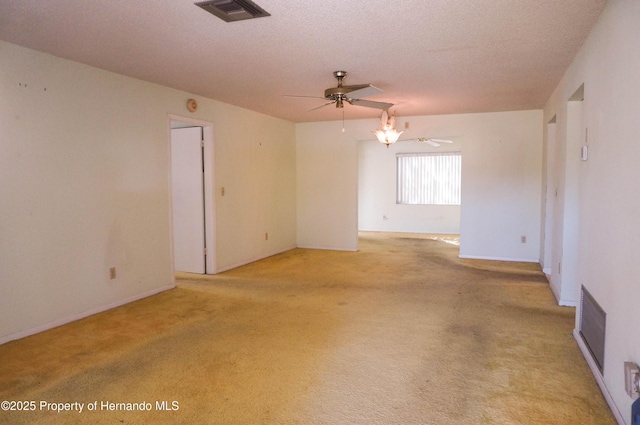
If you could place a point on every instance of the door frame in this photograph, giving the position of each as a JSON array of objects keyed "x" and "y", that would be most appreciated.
[
  {"x": 550, "y": 194},
  {"x": 209, "y": 185}
]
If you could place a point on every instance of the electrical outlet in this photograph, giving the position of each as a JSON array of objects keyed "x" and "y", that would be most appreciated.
[
  {"x": 632, "y": 379},
  {"x": 112, "y": 272}
]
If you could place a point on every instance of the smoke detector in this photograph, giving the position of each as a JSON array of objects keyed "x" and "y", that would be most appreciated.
[{"x": 233, "y": 10}]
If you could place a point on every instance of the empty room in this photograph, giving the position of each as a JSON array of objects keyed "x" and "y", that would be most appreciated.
[{"x": 327, "y": 212}]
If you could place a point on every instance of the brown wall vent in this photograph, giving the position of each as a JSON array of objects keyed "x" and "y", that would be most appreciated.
[{"x": 233, "y": 10}]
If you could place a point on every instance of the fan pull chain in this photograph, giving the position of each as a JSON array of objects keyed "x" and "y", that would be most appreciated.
[{"x": 343, "y": 120}]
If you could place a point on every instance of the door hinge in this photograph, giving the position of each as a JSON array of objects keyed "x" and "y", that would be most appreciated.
[{"x": 205, "y": 251}]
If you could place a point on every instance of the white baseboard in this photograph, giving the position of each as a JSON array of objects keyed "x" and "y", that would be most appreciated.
[
  {"x": 327, "y": 248},
  {"x": 556, "y": 295},
  {"x": 519, "y": 260},
  {"x": 254, "y": 259},
  {"x": 91, "y": 312},
  {"x": 596, "y": 373}
]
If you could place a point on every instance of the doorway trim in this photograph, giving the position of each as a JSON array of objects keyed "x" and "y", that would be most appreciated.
[
  {"x": 550, "y": 193},
  {"x": 209, "y": 189}
]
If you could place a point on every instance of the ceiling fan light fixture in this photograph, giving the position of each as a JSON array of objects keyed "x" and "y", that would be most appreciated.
[
  {"x": 388, "y": 137},
  {"x": 388, "y": 134}
]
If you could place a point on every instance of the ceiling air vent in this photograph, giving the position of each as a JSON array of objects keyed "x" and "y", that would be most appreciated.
[{"x": 233, "y": 10}]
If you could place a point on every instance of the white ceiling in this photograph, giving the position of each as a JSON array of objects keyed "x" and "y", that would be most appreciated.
[{"x": 429, "y": 57}]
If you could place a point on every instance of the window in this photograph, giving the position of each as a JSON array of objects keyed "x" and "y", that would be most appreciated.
[{"x": 429, "y": 178}]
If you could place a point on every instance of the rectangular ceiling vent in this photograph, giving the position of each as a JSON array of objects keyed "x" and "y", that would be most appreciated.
[{"x": 233, "y": 10}]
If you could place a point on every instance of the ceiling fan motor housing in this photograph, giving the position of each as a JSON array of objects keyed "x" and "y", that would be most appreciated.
[{"x": 337, "y": 94}]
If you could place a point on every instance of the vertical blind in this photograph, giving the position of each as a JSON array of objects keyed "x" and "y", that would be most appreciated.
[{"x": 432, "y": 178}]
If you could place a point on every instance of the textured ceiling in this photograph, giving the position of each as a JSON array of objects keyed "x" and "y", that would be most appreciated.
[{"x": 429, "y": 57}]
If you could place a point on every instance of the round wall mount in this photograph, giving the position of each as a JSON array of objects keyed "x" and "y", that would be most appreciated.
[{"x": 192, "y": 105}]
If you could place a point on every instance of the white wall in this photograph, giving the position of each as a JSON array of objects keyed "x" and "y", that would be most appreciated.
[
  {"x": 255, "y": 162},
  {"x": 84, "y": 186},
  {"x": 501, "y": 180},
  {"x": 327, "y": 185},
  {"x": 608, "y": 199},
  {"x": 501, "y": 186},
  {"x": 377, "y": 208}
]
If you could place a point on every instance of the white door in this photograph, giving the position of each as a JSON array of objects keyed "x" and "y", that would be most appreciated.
[{"x": 187, "y": 185}]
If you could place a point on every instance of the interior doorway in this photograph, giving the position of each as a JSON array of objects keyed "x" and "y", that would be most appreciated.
[
  {"x": 565, "y": 231},
  {"x": 550, "y": 196},
  {"x": 378, "y": 207},
  {"x": 192, "y": 200}
]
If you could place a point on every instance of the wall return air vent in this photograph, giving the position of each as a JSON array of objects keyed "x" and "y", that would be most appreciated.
[
  {"x": 233, "y": 10},
  {"x": 593, "y": 327}
]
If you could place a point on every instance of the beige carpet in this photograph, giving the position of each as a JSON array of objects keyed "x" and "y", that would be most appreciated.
[{"x": 401, "y": 332}]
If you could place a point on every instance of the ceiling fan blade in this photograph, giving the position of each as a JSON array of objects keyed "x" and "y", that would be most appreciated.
[
  {"x": 441, "y": 140},
  {"x": 384, "y": 119},
  {"x": 310, "y": 97},
  {"x": 321, "y": 106},
  {"x": 361, "y": 90},
  {"x": 352, "y": 87},
  {"x": 370, "y": 104},
  {"x": 431, "y": 142}
]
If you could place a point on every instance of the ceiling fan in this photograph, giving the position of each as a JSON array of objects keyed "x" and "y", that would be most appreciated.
[
  {"x": 351, "y": 94},
  {"x": 433, "y": 142}
]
